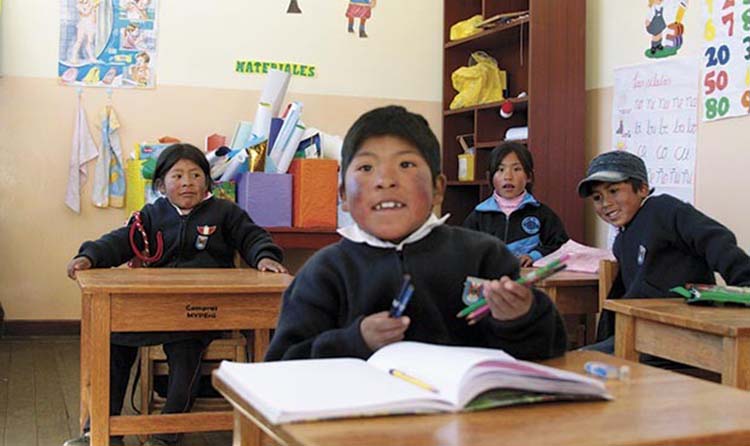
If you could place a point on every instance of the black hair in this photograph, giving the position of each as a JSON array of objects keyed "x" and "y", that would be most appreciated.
[
  {"x": 174, "y": 153},
  {"x": 524, "y": 156},
  {"x": 392, "y": 120}
]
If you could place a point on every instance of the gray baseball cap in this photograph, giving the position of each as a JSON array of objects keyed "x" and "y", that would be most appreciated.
[{"x": 613, "y": 167}]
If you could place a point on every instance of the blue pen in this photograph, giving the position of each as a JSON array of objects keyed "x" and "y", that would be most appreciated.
[{"x": 402, "y": 299}]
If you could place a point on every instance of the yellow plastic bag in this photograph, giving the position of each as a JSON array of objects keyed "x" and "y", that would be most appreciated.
[
  {"x": 466, "y": 28},
  {"x": 480, "y": 83}
]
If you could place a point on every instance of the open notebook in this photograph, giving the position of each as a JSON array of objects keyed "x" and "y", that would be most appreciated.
[{"x": 405, "y": 377}]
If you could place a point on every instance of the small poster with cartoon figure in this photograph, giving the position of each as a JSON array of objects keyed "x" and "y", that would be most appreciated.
[
  {"x": 664, "y": 27},
  {"x": 108, "y": 43}
]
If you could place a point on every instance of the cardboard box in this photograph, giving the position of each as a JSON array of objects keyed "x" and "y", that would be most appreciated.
[
  {"x": 266, "y": 197},
  {"x": 315, "y": 192}
]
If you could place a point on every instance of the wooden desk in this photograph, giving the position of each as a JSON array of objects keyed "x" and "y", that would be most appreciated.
[
  {"x": 711, "y": 338},
  {"x": 143, "y": 299},
  {"x": 655, "y": 407},
  {"x": 576, "y": 296},
  {"x": 303, "y": 238}
]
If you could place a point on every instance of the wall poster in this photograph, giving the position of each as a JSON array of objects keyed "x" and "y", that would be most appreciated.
[
  {"x": 726, "y": 58},
  {"x": 655, "y": 116},
  {"x": 108, "y": 43}
]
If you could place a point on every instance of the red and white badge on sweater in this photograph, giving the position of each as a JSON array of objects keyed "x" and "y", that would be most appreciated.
[{"x": 203, "y": 233}]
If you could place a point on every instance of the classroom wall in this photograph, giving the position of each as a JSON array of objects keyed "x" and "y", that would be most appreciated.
[
  {"x": 616, "y": 36},
  {"x": 197, "y": 94}
]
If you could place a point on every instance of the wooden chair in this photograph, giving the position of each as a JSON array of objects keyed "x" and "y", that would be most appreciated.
[
  {"x": 608, "y": 270},
  {"x": 153, "y": 362},
  {"x": 607, "y": 275}
]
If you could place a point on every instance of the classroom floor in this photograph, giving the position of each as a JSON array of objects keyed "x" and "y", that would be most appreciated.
[{"x": 39, "y": 394}]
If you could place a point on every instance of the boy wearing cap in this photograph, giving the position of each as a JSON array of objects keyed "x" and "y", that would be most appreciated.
[
  {"x": 337, "y": 304},
  {"x": 662, "y": 242}
]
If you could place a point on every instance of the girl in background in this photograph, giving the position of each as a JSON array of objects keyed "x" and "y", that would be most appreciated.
[{"x": 530, "y": 229}]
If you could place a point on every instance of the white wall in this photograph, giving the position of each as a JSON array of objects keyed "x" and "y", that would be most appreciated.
[
  {"x": 199, "y": 42},
  {"x": 616, "y": 36},
  {"x": 197, "y": 93}
]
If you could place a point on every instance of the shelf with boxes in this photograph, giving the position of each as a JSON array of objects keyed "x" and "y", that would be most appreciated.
[{"x": 542, "y": 54}]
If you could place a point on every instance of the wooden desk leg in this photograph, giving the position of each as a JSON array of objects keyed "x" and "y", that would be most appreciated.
[
  {"x": 99, "y": 366},
  {"x": 590, "y": 328},
  {"x": 85, "y": 360},
  {"x": 261, "y": 340},
  {"x": 246, "y": 433},
  {"x": 736, "y": 362},
  {"x": 625, "y": 337},
  {"x": 552, "y": 293}
]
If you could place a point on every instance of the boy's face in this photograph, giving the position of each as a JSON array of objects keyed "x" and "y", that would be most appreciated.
[
  {"x": 184, "y": 184},
  {"x": 388, "y": 188},
  {"x": 617, "y": 203},
  {"x": 510, "y": 179}
]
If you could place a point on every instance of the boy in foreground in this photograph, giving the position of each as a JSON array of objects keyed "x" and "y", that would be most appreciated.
[{"x": 338, "y": 303}]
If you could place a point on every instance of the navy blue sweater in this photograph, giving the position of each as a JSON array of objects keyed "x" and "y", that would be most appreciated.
[
  {"x": 341, "y": 284},
  {"x": 669, "y": 243},
  {"x": 231, "y": 229}
]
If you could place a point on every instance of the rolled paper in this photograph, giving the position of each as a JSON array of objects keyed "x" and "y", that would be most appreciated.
[
  {"x": 242, "y": 134},
  {"x": 256, "y": 161},
  {"x": 235, "y": 166},
  {"x": 215, "y": 156},
  {"x": 262, "y": 122}
]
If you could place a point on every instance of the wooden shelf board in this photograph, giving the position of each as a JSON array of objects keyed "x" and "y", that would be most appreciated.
[
  {"x": 467, "y": 183},
  {"x": 492, "y": 144},
  {"x": 481, "y": 37},
  {"x": 518, "y": 104},
  {"x": 303, "y": 238}
]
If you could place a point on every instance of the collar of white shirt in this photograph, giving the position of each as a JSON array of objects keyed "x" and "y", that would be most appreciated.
[{"x": 357, "y": 235}]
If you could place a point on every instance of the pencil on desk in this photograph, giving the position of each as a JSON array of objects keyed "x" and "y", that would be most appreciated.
[{"x": 410, "y": 379}]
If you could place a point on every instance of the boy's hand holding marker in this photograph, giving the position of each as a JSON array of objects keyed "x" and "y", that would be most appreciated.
[{"x": 506, "y": 299}]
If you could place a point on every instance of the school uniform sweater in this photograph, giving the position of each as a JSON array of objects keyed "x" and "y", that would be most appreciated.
[
  {"x": 533, "y": 229},
  {"x": 669, "y": 243},
  {"x": 341, "y": 284},
  {"x": 205, "y": 238}
]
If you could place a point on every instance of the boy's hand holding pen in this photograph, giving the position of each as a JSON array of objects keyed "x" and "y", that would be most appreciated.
[
  {"x": 506, "y": 299},
  {"x": 386, "y": 327}
]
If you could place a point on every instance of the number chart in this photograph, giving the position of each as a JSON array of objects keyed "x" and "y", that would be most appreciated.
[{"x": 726, "y": 58}]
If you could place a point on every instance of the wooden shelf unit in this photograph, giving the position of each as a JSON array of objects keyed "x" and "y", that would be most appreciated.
[{"x": 543, "y": 56}]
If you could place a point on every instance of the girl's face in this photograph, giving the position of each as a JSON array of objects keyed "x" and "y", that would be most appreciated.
[
  {"x": 510, "y": 179},
  {"x": 184, "y": 184},
  {"x": 388, "y": 188}
]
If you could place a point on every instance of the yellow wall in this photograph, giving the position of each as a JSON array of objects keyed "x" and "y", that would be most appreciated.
[
  {"x": 197, "y": 94},
  {"x": 616, "y": 36}
]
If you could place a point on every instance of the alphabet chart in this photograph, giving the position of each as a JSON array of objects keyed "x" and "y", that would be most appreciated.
[
  {"x": 726, "y": 58},
  {"x": 655, "y": 116}
]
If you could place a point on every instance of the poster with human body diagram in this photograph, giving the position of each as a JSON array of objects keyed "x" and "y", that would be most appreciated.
[{"x": 108, "y": 43}]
